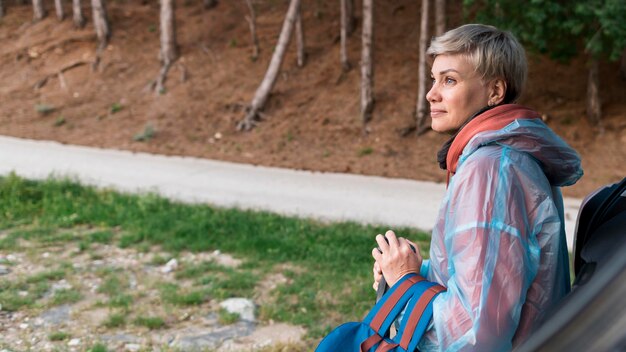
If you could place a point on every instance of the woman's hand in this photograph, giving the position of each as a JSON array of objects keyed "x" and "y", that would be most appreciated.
[{"x": 396, "y": 260}]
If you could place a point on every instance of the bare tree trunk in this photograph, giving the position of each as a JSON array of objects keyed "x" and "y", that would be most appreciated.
[
  {"x": 58, "y": 6},
  {"x": 169, "y": 47},
  {"x": 101, "y": 25},
  {"x": 420, "y": 106},
  {"x": 345, "y": 27},
  {"x": 594, "y": 110},
  {"x": 78, "y": 18},
  {"x": 209, "y": 4},
  {"x": 38, "y": 10},
  {"x": 367, "y": 64},
  {"x": 252, "y": 22},
  {"x": 622, "y": 64},
  {"x": 350, "y": 19},
  {"x": 440, "y": 17},
  {"x": 262, "y": 93},
  {"x": 300, "y": 40}
]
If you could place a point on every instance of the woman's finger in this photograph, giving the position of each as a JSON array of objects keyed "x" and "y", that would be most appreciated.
[
  {"x": 416, "y": 247},
  {"x": 382, "y": 243},
  {"x": 391, "y": 237}
]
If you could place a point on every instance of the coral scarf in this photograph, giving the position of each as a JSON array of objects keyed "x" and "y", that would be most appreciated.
[{"x": 491, "y": 120}]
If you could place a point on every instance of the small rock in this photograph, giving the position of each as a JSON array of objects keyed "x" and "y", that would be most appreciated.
[
  {"x": 23, "y": 326},
  {"x": 4, "y": 270},
  {"x": 46, "y": 255},
  {"x": 61, "y": 285},
  {"x": 242, "y": 306},
  {"x": 56, "y": 315},
  {"x": 133, "y": 347},
  {"x": 11, "y": 257},
  {"x": 74, "y": 342},
  {"x": 170, "y": 266}
]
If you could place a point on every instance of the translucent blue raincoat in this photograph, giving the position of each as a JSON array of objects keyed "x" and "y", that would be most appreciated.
[{"x": 499, "y": 245}]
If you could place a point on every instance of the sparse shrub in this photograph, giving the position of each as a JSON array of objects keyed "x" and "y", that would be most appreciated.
[
  {"x": 145, "y": 135},
  {"x": 116, "y": 107},
  {"x": 60, "y": 121},
  {"x": 366, "y": 151},
  {"x": 44, "y": 109}
]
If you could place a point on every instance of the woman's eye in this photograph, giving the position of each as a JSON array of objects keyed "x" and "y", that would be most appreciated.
[{"x": 449, "y": 81}]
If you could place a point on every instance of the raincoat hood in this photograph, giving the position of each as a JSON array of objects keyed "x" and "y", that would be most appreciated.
[{"x": 560, "y": 163}]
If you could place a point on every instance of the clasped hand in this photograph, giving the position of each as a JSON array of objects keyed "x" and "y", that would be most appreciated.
[{"x": 396, "y": 260}]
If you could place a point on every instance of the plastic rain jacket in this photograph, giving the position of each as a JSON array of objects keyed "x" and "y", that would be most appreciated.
[{"x": 499, "y": 245}]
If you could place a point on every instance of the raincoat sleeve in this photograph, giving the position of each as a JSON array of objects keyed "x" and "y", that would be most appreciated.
[{"x": 489, "y": 254}]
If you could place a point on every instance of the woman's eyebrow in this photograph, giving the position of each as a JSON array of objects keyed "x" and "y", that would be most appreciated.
[{"x": 448, "y": 70}]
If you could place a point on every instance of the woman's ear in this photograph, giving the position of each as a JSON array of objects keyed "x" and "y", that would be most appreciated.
[{"x": 497, "y": 91}]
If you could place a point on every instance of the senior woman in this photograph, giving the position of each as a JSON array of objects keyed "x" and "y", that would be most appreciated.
[{"x": 499, "y": 243}]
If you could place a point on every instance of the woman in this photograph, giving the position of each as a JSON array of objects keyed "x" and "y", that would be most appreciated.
[{"x": 499, "y": 244}]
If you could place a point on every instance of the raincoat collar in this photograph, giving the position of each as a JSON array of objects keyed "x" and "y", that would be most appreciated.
[{"x": 490, "y": 120}]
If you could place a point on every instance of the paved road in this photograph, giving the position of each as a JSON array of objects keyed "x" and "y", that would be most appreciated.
[{"x": 326, "y": 196}]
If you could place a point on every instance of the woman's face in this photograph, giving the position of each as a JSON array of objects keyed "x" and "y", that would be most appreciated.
[{"x": 457, "y": 93}]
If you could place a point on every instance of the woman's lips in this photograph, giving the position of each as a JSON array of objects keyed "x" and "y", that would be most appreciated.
[{"x": 436, "y": 113}]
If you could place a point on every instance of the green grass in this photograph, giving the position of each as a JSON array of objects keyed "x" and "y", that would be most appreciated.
[
  {"x": 58, "y": 336},
  {"x": 227, "y": 318},
  {"x": 98, "y": 347},
  {"x": 66, "y": 296},
  {"x": 333, "y": 284},
  {"x": 115, "y": 320},
  {"x": 172, "y": 294},
  {"x": 151, "y": 323}
]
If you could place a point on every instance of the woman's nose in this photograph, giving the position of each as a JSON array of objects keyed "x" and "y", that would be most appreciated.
[{"x": 432, "y": 94}]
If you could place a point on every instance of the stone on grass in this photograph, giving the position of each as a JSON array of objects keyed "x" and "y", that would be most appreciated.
[
  {"x": 242, "y": 306},
  {"x": 170, "y": 266}
]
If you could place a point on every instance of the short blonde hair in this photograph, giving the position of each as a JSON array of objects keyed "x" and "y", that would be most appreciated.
[{"x": 494, "y": 54}]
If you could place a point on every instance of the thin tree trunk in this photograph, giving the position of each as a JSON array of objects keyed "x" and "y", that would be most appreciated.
[
  {"x": 39, "y": 12},
  {"x": 101, "y": 25},
  {"x": 252, "y": 22},
  {"x": 594, "y": 110},
  {"x": 169, "y": 47},
  {"x": 300, "y": 40},
  {"x": 440, "y": 17},
  {"x": 1, "y": 9},
  {"x": 345, "y": 26},
  {"x": 262, "y": 93},
  {"x": 209, "y": 4},
  {"x": 420, "y": 106},
  {"x": 78, "y": 18},
  {"x": 350, "y": 19},
  {"x": 622, "y": 64},
  {"x": 367, "y": 64},
  {"x": 58, "y": 6}
]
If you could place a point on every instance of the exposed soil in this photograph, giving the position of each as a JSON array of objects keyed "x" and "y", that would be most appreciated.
[{"x": 313, "y": 115}]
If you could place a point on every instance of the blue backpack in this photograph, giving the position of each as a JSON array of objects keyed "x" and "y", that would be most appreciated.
[{"x": 372, "y": 334}]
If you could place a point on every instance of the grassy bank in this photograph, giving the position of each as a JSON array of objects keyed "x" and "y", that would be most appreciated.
[{"x": 327, "y": 266}]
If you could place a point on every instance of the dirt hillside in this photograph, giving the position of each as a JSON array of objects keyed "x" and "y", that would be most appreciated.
[{"x": 313, "y": 116}]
